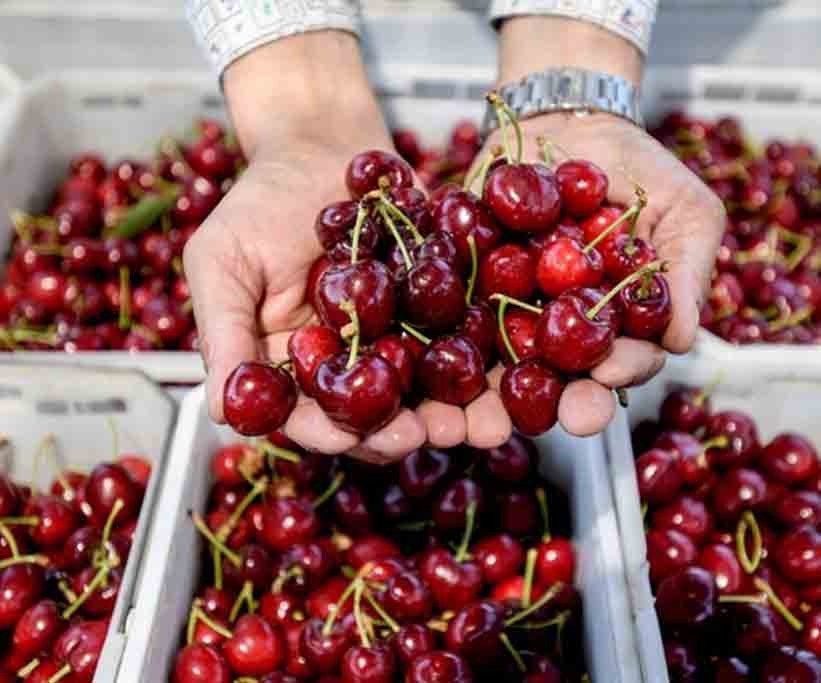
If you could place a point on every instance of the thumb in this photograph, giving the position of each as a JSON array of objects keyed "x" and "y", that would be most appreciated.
[{"x": 224, "y": 308}]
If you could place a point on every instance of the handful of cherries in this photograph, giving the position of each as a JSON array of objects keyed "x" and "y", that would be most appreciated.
[
  {"x": 62, "y": 557},
  {"x": 767, "y": 281},
  {"x": 438, "y": 569},
  {"x": 418, "y": 297},
  {"x": 733, "y": 544},
  {"x": 102, "y": 269}
]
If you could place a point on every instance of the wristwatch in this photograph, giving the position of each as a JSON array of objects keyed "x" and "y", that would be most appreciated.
[{"x": 568, "y": 89}]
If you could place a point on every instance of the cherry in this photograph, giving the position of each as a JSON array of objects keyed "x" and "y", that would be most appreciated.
[
  {"x": 474, "y": 632},
  {"x": 669, "y": 551},
  {"x": 689, "y": 453},
  {"x": 369, "y": 286},
  {"x": 211, "y": 158},
  {"x": 408, "y": 598},
  {"x": 789, "y": 459},
  {"x": 520, "y": 326},
  {"x": 80, "y": 647},
  {"x": 201, "y": 664},
  {"x": 76, "y": 218},
  {"x": 450, "y": 511},
  {"x": 682, "y": 663},
  {"x": 524, "y": 197},
  {"x": 658, "y": 476},
  {"x": 367, "y": 168},
  {"x": 88, "y": 166},
  {"x": 798, "y": 555},
  {"x": 324, "y": 649},
  {"x": 798, "y": 507},
  {"x": 165, "y": 318},
  {"x": 518, "y": 512},
  {"x": 10, "y": 498},
  {"x": 512, "y": 461},
  {"x": 322, "y": 601},
  {"x": 288, "y": 521},
  {"x": 255, "y": 567},
  {"x": 197, "y": 199},
  {"x": 566, "y": 263},
  {"x": 555, "y": 562},
  {"x": 396, "y": 504},
  {"x": 509, "y": 269},
  {"x": 229, "y": 463},
  {"x": 296, "y": 665},
  {"x": 600, "y": 221},
  {"x": 411, "y": 641},
  {"x": 499, "y": 557},
  {"x": 452, "y": 370},
  {"x": 256, "y": 648},
  {"x": 739, "y": 490},
  {"x": 582, "y": 185},
  {"x": 281, "y": 608},
  {"x": 732, "y": 670},
  {"x": 722, "y": 562},
  {"x": 422, "y": 470},
  {"x": 481, "y": 328},
  {"x": 530, "y": 391},
  {"x": 226, "y": 497},
  {"x": 307, "y": 348},
  {"x": 206, "y": 635},
  {"x": 79, "y": 547},
  {"x": 625, "y": 254},
  {"x": 439, "y": 667},
  {"x": 685, "y": 409},
  {"x": 351, "y": 510},
  {"x": 647, "y": 307},
  {"x": 258, "y": 398},
  {"x": 361, "y": 397},
  {"x": 37, "y": 629},
  {"x": 811, "y": 633},
  {"x": 108, "y": 483},
  {"x": 438, "y": 246},
  {"x": 454, "y": 584},
  {"x": 686, "y": 598},
  {"x": 394, "y": 350},
  {"x": 742, "y": 436},
  {"x": 432, "y": 296},
  {"x": 100, "y": 602},
  {"x": 375, "y": 664},
  {"x": 461, "y": 214},
  {"x": 47, "y": 288},
  {"x": 687, "y": 515},
  {"x": 791, "y": 666},
  {"x": 368, "y": 549}
]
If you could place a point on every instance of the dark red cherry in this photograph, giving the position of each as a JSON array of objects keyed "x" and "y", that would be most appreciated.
[
  {"x": 439, "y": 246},
  {"x": 753, "y": 629},
  {"x": 647, "y": 307},
  {"x": 582, "y": 186},
  {"x": 685, "y": 409},
  {"x": 811, "y": 633},
  {"x": 451, "y": 508},
  {"x": 511, "y": 462},
  {"x": 530, "y": 391},
  {"x": 509, "y": 269},
  {"x": 258, "y": 398},
  {"x": 421, "y": 471},
  {"x": 520, "y": 326},
  {"x": 197, "y": 199},
  {"x": 565, "y": 264},
  {"x": 394, "y": 350},
  {"x": 798, "y": 555},
  {"x": 453, "y": 584},
  {"x": 739, "y": 490},
  {"x": 212, "y": 158},
  {"x": 789, "y": 458},
  {"x": 324, "y": 649},
  {"x": 722, "y": 562},
  {"x": 461, "y": 214},
  {"x": 100, "y": 603},
  {"x": 367, "y": 168},
  {"x": 369, "y": 549},
  {"x": 37, "y": 629},
  {"x": 21, "y": 585},
  {"x": 10, "y": 498},
  {"x": 524, "y": 197},
  {"x": 658, "y": 476},
  {"x": 789, "y": 665},
  {"x": 287, "y": 522},
  {"x": 375, "y": 664},
  {"x": 798, "y": 507},
  {"x": 76, "y": 218},
  {"x": 108, "y": 483},
  {"x": 499, "y": 557},
  {"x": 474, "y": 632},
  {"x": 686, "y": 598},
  {"x": 689, "y": 453},
  {"x": 682, "y": 662},
  {"x": 432, "y": 296},
  {"x": 408, "y": 598},
  {"x": 57, "y": 520},
  {"x": 411, "y": 641},
  {"x": 452, "y": 370},
  {"x": 518, "y": 512},
  {"x": 742, "y": 436},
  {"x": 256, "y": 648},
  {"x": 439, "y": 667},
  {"x": 481, "y": 327},
  {"x": 362, "y": 398},
  {"x": 669, "y": 551},
  {"x": 687, "y": 515}
]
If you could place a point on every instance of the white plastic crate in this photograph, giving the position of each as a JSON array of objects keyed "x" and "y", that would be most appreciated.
[
  {"x": 164, "y": 596},
  {"x": 778, "y": 401},
  {"x": 75, "y": 405}
]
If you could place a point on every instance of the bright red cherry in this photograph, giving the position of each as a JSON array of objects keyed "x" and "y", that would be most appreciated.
[
  {"x": 647, "y": 307},
  {"x": 38, "y": 628},
  {"x": 687, "y": 515},
  {"x": 524, "y": 197},
  {"x": 668, "y": 551},
  {"x": 565, "y": 264},
  {"x": 201, "y": 664},
  {"x": 288, "y": 521},
  {"x": 520, "y": 326},
  {"x": 453, "y": 584},
  {"x": 555, "y": 562},
  {"x": 742, "y": 436},
  {"x": 108, "y": 483},
  {"x": 601, "y": 221},
  {"x": 499, "y": 557},
  {"x": 624, "y": 255},
  {"x": 256, "y": 648},
  {"x": 582, "y": 185},
  {"x": 789, "y": 458},
  {"x": 509, "y": 269},
  {"x": 307, "y": 348},
  {"x": 258, "y": 398}
]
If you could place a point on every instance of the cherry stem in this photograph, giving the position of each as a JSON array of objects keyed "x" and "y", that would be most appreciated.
[
  {"x": 12, "y": 542},
  {"x": 517, "y": 302},
  {"x": 61, "y": 674},
  {"x": 559, "y": 620},
  {"x": 530, "y": 570},
  {"x": 245, "y": 597},
  {"x": 474, "y": 268},
  {"x": 277, "y": 453},
  {"x": 406, "y": 257},
  {"x": 109, "y": 522},
  {"x": 742, "y": 599},
  {"x": 411, "y": 330},
  {"x": 389, "y": 622},
  {"x": 720, "y": 441},
  {"x": 124, "y": 320},
  {"x": 350, "y": 309},
  {"x": 627, "y": 215},
  {"x": 99, "y": 580},
  {"x": 259, "y": 487},
  {"x": 502, "y": 119},
  {"x": 503, "y": 111},
  {"x": 284, "y": 576},
  {"x": 191, "y": 626},
  {"x": 358, "y": 616},
  {"x": 330, "y": 491},
  {"x": 652, "y": 267},
  {"x": 361, "y": 215},
  {"x": 708, "y": 390},
  {"x": 541, "y": 602},
  {"x": 470, "y": 518},
  {"x": 42, "y": 560},
  {"x": 20, "y": 220},
  {"x": 791, "y": 319},
  {"x": 514, "y": 653},
  {"x": 748, "y": 522},
  {"x": 500, "y": 315},
  {"x": 777, "y": 604},
  {"x": 28, "y": 668},
  {"x": 480, "y": 173},
  {"x": 337, "y": 608},
  {"x": 402, "y": 216},
  {"x": 216, "y": 559},
  {"x": 29, "y": 520},
  {"x": 202, "y": 527},
  {"x": 541, "y": 498},
  {"x": 64, "y": 588}
]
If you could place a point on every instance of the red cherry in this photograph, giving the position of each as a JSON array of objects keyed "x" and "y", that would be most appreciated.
[
  {"x": 256, "y": 648},
  {"x": 452, "y": 370},
  {"x": 647, "y": 307},
  {"x": 474, "y": 632},
  {"x": 480, "y": 327},
  {"x": 394, "y": 350},
  {"x": 421, "y": 471},
  {"x": 555, "y": 562},
  {"x": 461, "y": 214},
  {"x": 258, "y": 398},
  {"x": 411, "y": 641},
  {"x": 798, "y": 507},
  {"x": 565, "y": 264},
  {"x": 432, "y": 296},
  {"x": 690, "y": 456},
  {"x": 685, "y": 409},
  {"x": 80, "y": 647},
  {"x": 687, "y": 515},
  {"x": 582, "y": 185},
  {"x": 722, "y": 563},
  {"x": 798, "y": 555},
  {"x": 288, "y": 521},
  {"x": 668, "y": 551},
  {"x": 201, "y": 664},
  {"x": 453, "y": 584},
  {"x": 520, "y": 326},
  {"x": 197, "y": 199},
  {"x": 369, "y": 549},
  {"x": 324, "y": 651},
  {"x": 100, "y": 603},
  {"x": 624, "y": 255},
  {"x": 451, "y": 508},
  {"x": 439, "y": 667},
  {"x": 509, "y": 269},
  {"x": 211, "y": 158},
  {"x": 658, "y": 477},
  {"x": 525, "y": 197},
  {"x": 499, "y": 557},
  {"x": 790, "y": 665},
  {"x": 511, "y": 462},
  {"x": 37, "y": 629},
  {"x": 367, "y": 168},
  {"x": 375, "y": 664},
  {"x": 742, "y": 436},
  {"x": 107, "y": 484},
  {"x": 408, "y": 598},
  {"x": 137, "y": 466},
  {"x": 530, "y": 391},
  {"x": 686, "y": 598},
  {"x": 600, "y": 221},
  {"x": 739, "y": 490},
  {"x": 811, "y": 633},
  {"x": 307, "y": 348},
  {"x": 789, "y": 458}
]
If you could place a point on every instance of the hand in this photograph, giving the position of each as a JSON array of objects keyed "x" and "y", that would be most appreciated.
[{"x": 684, "y": 221}]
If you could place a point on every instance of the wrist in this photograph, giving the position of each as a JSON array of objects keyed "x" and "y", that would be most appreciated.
[
  {"x": 311, "y": 85},
  {"x": 523, "y": 48}
]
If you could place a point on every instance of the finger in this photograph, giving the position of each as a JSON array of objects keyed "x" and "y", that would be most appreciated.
[
  {"x": 630, "y": 362},
  {"x": 685, "y": 298},
  {"x": 445, "y": 424},
  {"x": 405, "y": 433},
  {"x": 312, "y": 429},
  {"x": 488, "y": 424},
  {"x": 494, "y": 377},
  {"x": 586, "y": 407},
  {"x": 225, "y": 314},
  {"x": 369, "y": 455}
]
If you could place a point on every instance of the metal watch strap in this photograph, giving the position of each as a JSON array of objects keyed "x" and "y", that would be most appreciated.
[{"x": 568, "y": 89}]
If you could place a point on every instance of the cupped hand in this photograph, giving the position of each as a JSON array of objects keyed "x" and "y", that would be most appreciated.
[{"x": 684, "y": 221}]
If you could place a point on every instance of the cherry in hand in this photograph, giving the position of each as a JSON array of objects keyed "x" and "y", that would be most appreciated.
[{"x": 258, "y": 398}]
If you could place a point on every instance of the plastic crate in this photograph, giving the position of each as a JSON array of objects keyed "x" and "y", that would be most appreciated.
[
  {"x": 577, "y": 465},
  {"x": 75, "y": 404},
  {"x": 776, "y": 399}
]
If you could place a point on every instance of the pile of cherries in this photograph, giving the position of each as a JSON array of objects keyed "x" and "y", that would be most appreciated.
[
  {"x": 437, "y": 569},
  {"x": 733, "y": 544},
  {"x": 767, "y": 280},
  {"x": 102, "y": 268},
  {"x": 419, "y": 297},
  {"x": 62, "y": 557}
]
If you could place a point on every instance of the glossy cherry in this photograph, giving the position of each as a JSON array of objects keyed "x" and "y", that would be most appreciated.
[
  {"x": 256, "y": 648},
  {"x": 461, "y": 214},
  {"x": 685, "y": 409},
  {"x": 108, "y": 483},
  {"x": 432, "y": 296},
  {"x": 367, "y": 168},
  {"x": 452, "y": 370},
  {"x": 658, "y": 477},
  {"x": 669, "y": 551},
  {"x": 287, "y": 522},
  {"x": 742, "y": 435},
  {"x": 375, "y": 664},
  {"x": 530, "y": 391},
  {"x": 474, "y": 632},
  {"x": 686, "y": 598},
  {"x": 439, "y": 667},
  {"x": 524, "y": 197},
  {"x": 201, "y": 664},
  {"x": 258, "y": 398},
  {"x": 789, "y": 458}
]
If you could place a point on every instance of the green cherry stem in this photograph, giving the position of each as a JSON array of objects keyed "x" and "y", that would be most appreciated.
[
  {"x": 28, "y": 520},
  {"x": 474, "y": 269},
  {"x": 330, "y": 491},
  {"x": 12, "y": 542},
  {"x": 530, "y": 571},
  {"x": 109, "y": 522},
  {"x": 514, "y": 653},
  {"x": 41, "y": 560},
  {"x": 351, "y": 330},
  {"x": 99, "y": 579},
  {"x": 245, "y": 597},
  {"x": 541, "y": 498},
  {"x": 652, "y": 267},
  {"x": 358, "y": 616},
  {"x": 627, "y": 215},
  {"x": 777, "y": 604},
  {"x": 503, "y": 110},
  {"x": 402, "y": 216},
  {"x": 495, "y": 100},
  {"x": 411, "y": 330},
  {"x": 333, "y": 613},
  {"x": 541, "y": 602},
  {"x": 259, "y": 487},
  {"x": 202, "y": 527},
  {"x": 749, "y": 523},
  {"x": 216, "y": 559},
  {"x": 61, "y": 674},
  {"x": 406, "y": 257},
  {"x": 389, "y": 622},
  {"x": 504, "y": 300},
  {"x": 361, "y": 215},
  {"x": 28, "y": 668},
  {"x": 470, "y": 525},
  {"x": 480, "y": 172},
  {"x": 742, "y": 599}
]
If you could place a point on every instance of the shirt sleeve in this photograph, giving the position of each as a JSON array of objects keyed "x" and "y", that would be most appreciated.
[
  {"x": 631, "y": 19},
  {"x": 228, "y": 29}
]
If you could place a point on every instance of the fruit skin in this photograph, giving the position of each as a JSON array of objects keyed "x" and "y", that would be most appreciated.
[
  {"x": 439, "y": 667},
  {"x": 798, "y": 555},
  {"x": 366, "y": 168},
  {"x": 788, "y": 665},
  {"x": 461, "y": 214},
  {"x": 582, "y": 186},
  {"x": 307, "y": 348},
  {"x": 564, "y": 264},
  {"x": 258, "y": 398},
  {"x": 789, "y": 459},
  {"x": 686, "y": 598},
  {"x": 107, "y": 483},
  {"x": 288, "y": 521},
  {"x": 256, "y": 648},
  {"x": 432, "y": 296},
  {"x": 509, "y": 269},
  {"x": 452, "y": 370},
  {"x": 524, "y": 197},
  {"x": 374, "y": 664},
  {"x": 201, "y": 664},
  {"x": 530, "y": 391}
]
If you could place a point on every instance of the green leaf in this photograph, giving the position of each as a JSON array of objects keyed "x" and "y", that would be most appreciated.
[{"x": 145, "y": 213}]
